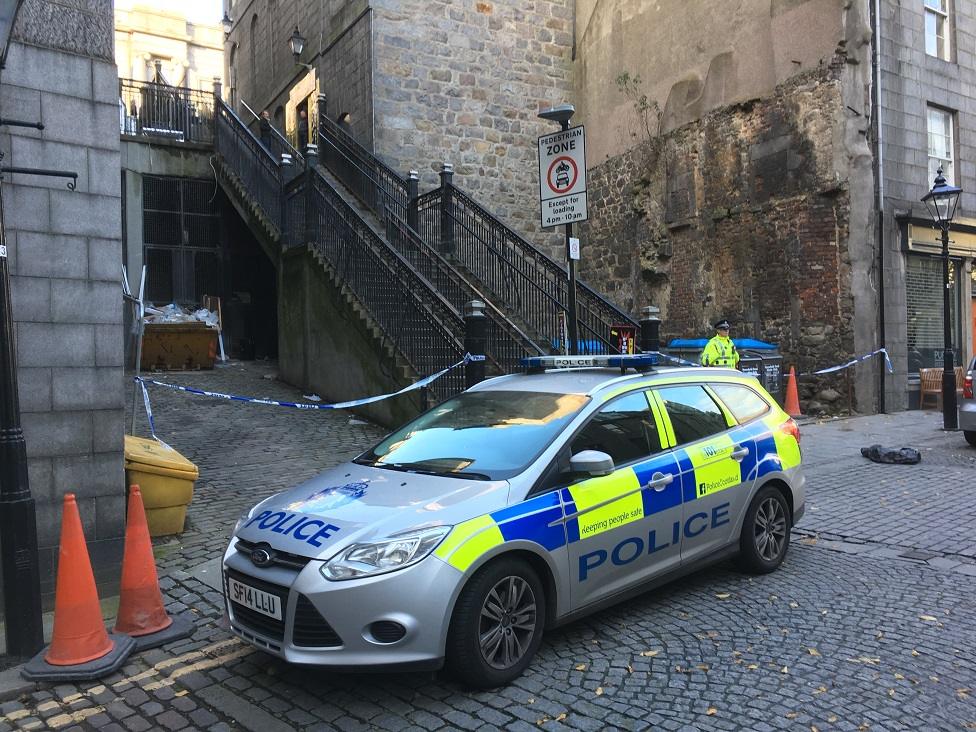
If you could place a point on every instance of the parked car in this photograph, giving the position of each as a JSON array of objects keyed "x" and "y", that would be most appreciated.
[
  {"x": 967, "y": 406},
  {"x": 526, "y": 502}
]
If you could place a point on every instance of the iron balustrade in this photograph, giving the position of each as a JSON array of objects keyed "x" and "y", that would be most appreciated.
[
  {"x": 523, "y": 280},
  {"x": 275, "y": 142},
  {"x": 150, "y": 109},
  {"x": 507, "y": 344},
  {"x": 256, "y": 170},
  {"x": 375, "y": 184},
  {"x": 425, "y": 327}
]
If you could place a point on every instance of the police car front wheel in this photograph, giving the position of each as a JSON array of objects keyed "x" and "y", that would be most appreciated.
[
  {"x": 497, "y": 624},
  {"x": 765, "y": 532}
]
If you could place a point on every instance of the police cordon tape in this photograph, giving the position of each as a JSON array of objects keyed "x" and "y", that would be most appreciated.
[
  {"x": 468, "y": 358},
  {"x": 829, "y": 369}
]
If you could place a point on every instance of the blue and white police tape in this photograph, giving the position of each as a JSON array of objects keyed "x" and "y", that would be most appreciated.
[
  {"x": 468, "y": 358},
  {"x": 149, "y": 414},
  {"x": 854, "y": 362}
]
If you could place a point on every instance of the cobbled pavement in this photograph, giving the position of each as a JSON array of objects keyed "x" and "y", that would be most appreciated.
[{"x": 868, "y": 625}]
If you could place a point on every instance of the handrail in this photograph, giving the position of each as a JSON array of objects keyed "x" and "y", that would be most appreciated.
[
  {"x": 423, "y": 324},
  {"x": 373, "y": 182},
  {"x": 251, "y": 162},
  {"x": 525, "y": 279},
  {"x": 152, "y": 109},
  {"x": 507, "y": 343},
  {"x": 282, "y": 141}
]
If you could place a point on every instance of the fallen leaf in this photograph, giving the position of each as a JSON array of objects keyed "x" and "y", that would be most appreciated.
[
  {"x": 630, "y": 669},
  {"x": 561, "y": 717},
  {"x": 820, "y": 690},
  {"x": 813, "y": 651},
  {"x": 810, "y": 540},
  {"x": 814, "y": 728},
  {"x": 182, "y": 692},
  {"x": 934, "y": 678},
  {"x": 704, "y": 667},
  {"x": 794, "y": 604},
  {"x": 963, "y": 693},
  {"x": 928, "y": 618},
  {"x": 891, "y": 693},
  {"x": 540, "y": 722},
  {"x": 599, "y": 691},
  {"x": 649, "y": 654},
  {"x": 752, "y": 666},
  {"x": 914, "y": 652},
  {"x": 712, "y": 711},
  {"x": 785, "y": 670},
  {"x": 792, "y": 715},
  {"x": 580, "y": 667},
  {"x": 531, "y": 700},
  {"x": 832, "y": 718},
  {"x": 880, "y": 635},
  {"x": 723, "y": 595}
]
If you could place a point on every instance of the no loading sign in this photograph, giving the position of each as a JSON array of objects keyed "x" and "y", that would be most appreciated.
[
  {"x": 563, "y": 174},
  {"x": 562, "y": 177}
]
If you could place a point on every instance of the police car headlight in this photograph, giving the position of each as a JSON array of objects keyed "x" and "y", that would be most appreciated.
[{"x": 386, "y": 555}]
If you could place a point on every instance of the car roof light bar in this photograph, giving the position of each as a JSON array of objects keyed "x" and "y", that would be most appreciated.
[{"x": 640, "y": 361}]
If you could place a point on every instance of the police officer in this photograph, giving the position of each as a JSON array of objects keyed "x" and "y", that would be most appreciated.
[{"x": 720, "y": 350}]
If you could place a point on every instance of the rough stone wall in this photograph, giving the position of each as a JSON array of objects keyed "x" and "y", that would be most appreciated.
[
  {"x": 462, "y": 83},
  {"x": 741, "y": 214},
  {"x": 65, "y": 255}
]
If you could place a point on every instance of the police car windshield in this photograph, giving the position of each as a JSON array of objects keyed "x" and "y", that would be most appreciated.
[{"x": 489, "y": 435}]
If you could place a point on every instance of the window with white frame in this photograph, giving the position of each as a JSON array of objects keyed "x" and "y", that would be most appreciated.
[
  {"x": 937, "y": 28},
  {"x": 940, "y": 145}
]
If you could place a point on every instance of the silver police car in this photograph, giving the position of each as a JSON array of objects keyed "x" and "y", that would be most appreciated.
[
  {"x": 523, "y": 503},
  {"x": 967, "y": 407}
]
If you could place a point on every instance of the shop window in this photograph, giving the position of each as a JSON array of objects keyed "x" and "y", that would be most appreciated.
[
  {"x": 923, "y": 288},
  {"x": 940, "y": 124},
  {"x": 937, "y": 28}
]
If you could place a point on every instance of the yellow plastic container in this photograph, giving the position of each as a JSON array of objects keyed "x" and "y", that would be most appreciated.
[{"x": 165, "y": 479}]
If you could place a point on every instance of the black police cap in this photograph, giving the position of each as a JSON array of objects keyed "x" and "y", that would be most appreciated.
[{"x": 723, "y": 325}]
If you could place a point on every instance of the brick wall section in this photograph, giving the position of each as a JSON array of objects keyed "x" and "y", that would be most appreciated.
[
  {"x": 737, "y": 215},
  {"x": 65, "y": 255},
  {"x": 462, "y": 83}
]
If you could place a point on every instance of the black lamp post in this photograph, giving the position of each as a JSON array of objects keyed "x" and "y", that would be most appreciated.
[
  {"x": 227, "y": 23},
  {"x": 297, "y": 44},
  {"x": 562, "y": 114},
  {"x": 941, "y": 203}
]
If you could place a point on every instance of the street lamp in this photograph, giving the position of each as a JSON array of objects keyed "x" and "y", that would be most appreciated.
[
  {"x": 227, "y": 23},
  {"x": 297, "y": 44},
  {"x": 941, "y": 203},
  {"x": 562, "y": 114}
]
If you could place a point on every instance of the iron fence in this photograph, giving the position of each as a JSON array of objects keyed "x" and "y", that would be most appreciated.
[
  {"x": 425, "y": 327},
  {"x": 375, "y": 184},
  {"x": 522, "y": 279},
  {"x": 150, "y": 109},
  {"x": 256, "y": 170},
  {"x": 507, "y": 343}
]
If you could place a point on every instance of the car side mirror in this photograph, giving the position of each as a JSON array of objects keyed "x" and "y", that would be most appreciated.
[{"x": 591, "y": 462}]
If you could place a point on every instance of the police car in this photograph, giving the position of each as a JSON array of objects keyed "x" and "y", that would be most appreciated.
[{"x": 523, "y": 503}]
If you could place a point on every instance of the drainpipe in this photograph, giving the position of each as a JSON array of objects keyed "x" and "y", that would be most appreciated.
[{"x": 879, "y": 185}]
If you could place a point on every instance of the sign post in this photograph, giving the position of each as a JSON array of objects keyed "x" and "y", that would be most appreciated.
[{"x": 562, "y": 194}]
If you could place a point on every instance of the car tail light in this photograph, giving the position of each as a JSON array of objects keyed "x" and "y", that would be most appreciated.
[
  {"x": 790, "y": 427},
  {"x": 967, "y": 387}
]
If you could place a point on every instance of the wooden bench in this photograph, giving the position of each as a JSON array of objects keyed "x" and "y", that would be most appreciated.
[{"x": 930, "y": 384}]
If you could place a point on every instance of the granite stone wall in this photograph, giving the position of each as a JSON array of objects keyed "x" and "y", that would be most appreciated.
[{"x": 65, "y": 256}]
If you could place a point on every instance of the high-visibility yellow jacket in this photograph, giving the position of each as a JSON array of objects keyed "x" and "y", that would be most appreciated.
[{"x": 720, "y": 351}]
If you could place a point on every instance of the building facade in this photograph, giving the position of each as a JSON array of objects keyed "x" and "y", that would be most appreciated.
[
  {"x": 927, "y": 120},
  {"x": 64, "y": 251},
  {"x": 188, "y": 54}
]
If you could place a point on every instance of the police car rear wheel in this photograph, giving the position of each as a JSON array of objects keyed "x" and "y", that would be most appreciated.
[
  {"x": 765, "y": 532},
  {"x": 970, "y": 436},
  {"x": 497, "y": 624}
]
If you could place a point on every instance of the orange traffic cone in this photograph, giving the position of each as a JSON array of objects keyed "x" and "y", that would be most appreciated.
[
  {"x": 792, "y": 397},
  {"x": 80, "y": 647},
  {"x": 141, "y": 611}
]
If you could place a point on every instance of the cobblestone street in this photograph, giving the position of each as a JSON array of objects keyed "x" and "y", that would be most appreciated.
[{"x": 869, "y": 625}]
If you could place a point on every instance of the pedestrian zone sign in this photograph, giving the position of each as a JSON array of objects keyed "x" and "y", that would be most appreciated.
[{"x": 562, "y": 177}]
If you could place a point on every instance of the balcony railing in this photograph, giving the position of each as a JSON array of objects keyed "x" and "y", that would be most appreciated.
[{"x": 150, "y": 109}]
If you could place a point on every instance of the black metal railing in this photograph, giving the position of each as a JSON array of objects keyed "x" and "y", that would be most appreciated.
[
  {"x": 273, "y": 140},
  {"x": 256, "y": 170},
  {"x": 523, "y": 280},
  {"x": 375, "y": 184},
  {"x": 425, "y": 327},
  {"x": 150, "y": 109},
  {"x": 507, "y": 343}
]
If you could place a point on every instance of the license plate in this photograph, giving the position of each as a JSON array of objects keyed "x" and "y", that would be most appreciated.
[{"x": 259, "y": 601}]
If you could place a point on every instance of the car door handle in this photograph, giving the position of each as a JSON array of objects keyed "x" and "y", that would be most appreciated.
[
  {"x": 660, "y": 481},
  {"x": 740, "y": 453}
]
